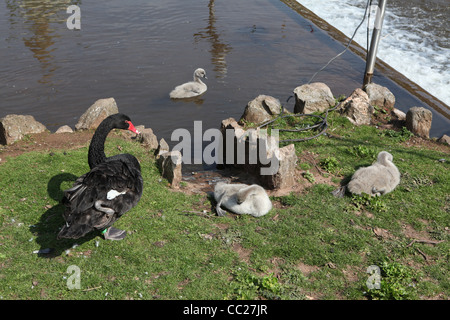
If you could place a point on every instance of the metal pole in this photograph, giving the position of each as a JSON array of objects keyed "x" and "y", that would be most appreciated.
[{"x": 372, "y": 54}]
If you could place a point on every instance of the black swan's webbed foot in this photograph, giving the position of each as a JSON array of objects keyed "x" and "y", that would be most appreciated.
[{"x": 114, "y": 234}]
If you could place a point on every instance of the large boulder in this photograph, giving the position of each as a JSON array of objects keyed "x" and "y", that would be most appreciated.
[
  {"x": 284, "y": 177},
  {"x": 254, "y": 151},
  {"x": 313, "y": 97},
  {"x": 96, "y": 113},
  {"x": 379, "y": 96},
  {"x": 418, "y": 121},
  {"x": 14, "y": 127},
  {"x": 357, "y": 108},
  {"x": 261, "y": 109}
]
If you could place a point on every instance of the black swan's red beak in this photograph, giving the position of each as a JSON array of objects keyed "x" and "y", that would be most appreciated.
[{"x": 131, "y": 127}]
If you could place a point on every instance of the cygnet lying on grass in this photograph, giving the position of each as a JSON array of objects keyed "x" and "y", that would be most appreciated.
[
  {"x": 378, "y": 179},
  {"x": 192, "y": 88},
  {"x": 242, "y": 199}
]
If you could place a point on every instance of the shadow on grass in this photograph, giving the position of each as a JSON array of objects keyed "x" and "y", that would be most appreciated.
[{"x": 52, "y": 220}]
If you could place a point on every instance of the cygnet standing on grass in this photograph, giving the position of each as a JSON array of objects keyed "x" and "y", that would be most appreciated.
[
  {"x": 242, "y": 199},
  {"x": 378, "y": 179},
  {"x": 192, "y": 88}
]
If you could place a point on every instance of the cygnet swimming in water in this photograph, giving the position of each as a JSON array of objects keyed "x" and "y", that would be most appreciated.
[
  {"x": 242, "y": 199},
  {"x": 192, "y": 88},
  {"x": 380, "y": 178}
]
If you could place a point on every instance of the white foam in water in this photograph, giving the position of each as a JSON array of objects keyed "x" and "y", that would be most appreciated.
[{"x": 414, "y": 52}]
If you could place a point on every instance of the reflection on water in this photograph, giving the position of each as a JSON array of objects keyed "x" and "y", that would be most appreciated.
[
  {"x": 219, "y": 49},
  {"x": 37, "y": 18},
  {"x": 198, "y": 100}
]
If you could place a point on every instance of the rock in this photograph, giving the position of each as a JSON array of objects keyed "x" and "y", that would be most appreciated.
[
  {"x": 418, "y": 121},
  {"x": 96, "y": 113},
  {"x": 313, "y": 97},
  {"x": 64, "y": 129},
  {"x": 257, "y": 153},
  {"x": 127, "y": 134},
  {"x": 399, "y": 114},
  {"x": 13, "y": 127},
  {"x": 162, "y": 148},
  {"x": 444, "y": 139},
  {"x": 230, "y": 129},
  {"x": 149, "y": 138},
  {"x": 284, "y": 177},
  {"x": 230, "y": 123},
  {"x": 261, "y": 109},
  {"x": 169, "y": 163},
  {"x": 379, "y": 96},
  {"x": 357, "y": 108}
]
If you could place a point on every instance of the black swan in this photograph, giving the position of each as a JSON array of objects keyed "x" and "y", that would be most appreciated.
[
  {"x": 101, "y": 196},
  {"x": 192, "y": 88}
]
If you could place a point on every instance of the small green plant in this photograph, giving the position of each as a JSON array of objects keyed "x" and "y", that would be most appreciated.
[
  {"x": 396, "y": 283},
  {"x": 365, "y": 201},
  {"x": 309, "y": 176},
  {"x": 402, "y": 135},
  {"x": 330, "y": 164},
  {"x": 340, "y": 98},
  {"x": 378, "y": 109},
  {"x": 362, "y": 151},
  {"x": 247, "y": 286}
]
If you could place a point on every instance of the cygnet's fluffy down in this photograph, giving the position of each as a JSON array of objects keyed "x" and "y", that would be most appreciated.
[
  {"x": 242, "y": 199},
  {"x": 192, "y": 88},
  {"x": 378, "y": 179}
]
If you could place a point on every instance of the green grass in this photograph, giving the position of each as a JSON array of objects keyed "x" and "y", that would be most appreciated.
[{"x": 311, "y": 245}]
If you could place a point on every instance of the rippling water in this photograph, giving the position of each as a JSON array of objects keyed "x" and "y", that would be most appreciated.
[{"x": 137, "y": 51}]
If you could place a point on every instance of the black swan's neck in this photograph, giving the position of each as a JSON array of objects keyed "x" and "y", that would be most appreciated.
[{"x": 97, "y": 147}]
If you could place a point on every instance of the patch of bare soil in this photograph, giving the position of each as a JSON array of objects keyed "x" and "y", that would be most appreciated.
[
  {"x": 430, "y": 144},
  {"x": 45, "y": 142}
]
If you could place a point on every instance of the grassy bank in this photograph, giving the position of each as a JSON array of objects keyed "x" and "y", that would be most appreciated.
[{"x": 310, "y": 246}]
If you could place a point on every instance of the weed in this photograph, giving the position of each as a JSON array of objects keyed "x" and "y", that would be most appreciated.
[
  {"x": 396, "y": 283},
  {"x": 246, "y": 286},
  {"x": 402, "y": 135},
  {"x": 330, "y": 164},
  {"x": 378, "y": 109},
  {"x": 362, "y": 151},
  {"x": 365, "y": 201},
  {"x": 309, "y": 176}
]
